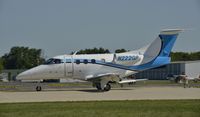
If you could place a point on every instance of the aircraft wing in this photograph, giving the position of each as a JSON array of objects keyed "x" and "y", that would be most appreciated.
[
  {"x": 103, "y": 79},
  {"x": 190, "y": 78},
  {"x": 102, "y": 76},
  {"x": 112, "y": 77},
  {"x": 193, "y": 78}
]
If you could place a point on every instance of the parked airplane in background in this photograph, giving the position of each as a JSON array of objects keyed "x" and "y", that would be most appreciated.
[
  {"x": 103, "y": 69},
  {"x": 182, "y": 78},
  {"x": 4, "y": 77}
]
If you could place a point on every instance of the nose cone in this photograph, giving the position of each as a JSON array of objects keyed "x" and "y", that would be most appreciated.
[
  {"x": 31, "y": 74},
  {"x": 24, "y": 75}
]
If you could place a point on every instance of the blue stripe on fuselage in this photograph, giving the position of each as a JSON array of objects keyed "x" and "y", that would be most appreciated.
[{"x": 159, "y": 61}]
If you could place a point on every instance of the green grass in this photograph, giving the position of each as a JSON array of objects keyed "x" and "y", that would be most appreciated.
[{"x": 142, "y": 108}]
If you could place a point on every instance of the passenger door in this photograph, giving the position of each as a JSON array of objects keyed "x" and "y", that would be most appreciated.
[{"x": 69, "y": 67}]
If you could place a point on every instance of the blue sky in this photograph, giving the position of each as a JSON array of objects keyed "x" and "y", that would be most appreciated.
[{"x": 61, "y": 26}]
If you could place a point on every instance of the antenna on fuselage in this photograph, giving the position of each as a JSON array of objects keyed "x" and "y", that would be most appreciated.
[{"x": 114, "y": 58}]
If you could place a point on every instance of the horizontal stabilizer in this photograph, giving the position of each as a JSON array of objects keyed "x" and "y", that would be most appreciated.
[{"x": 171, "y": 31}]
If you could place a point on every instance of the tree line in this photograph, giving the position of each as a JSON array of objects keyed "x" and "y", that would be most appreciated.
[
  {"x": 185, "y": 56},
  {"x": 25, "y": 57},
  {"x": 21, "y": 58}
]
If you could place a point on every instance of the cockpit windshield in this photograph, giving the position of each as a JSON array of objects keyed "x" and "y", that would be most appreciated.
[{"x": 53, "y": 61}]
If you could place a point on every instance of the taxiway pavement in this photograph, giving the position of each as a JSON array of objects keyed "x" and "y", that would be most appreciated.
[{"x": 90, "y": 94}]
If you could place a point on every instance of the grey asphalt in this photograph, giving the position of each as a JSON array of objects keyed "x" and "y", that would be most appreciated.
[{"x": 90, "y": 94}]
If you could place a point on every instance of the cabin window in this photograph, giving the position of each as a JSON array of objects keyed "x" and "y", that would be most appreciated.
[
  {"x": 93, "y": 61},
  {"x": 78, "y": 62},
  {"x": 85, "y": 61}
]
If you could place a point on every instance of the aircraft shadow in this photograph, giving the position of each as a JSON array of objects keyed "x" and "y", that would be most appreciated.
[
  {"x": 81, "y": 90},
  {"x": 97, "y": 91}
]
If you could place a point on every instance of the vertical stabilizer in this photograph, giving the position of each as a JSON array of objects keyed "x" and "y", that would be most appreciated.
[{"x": 161, "y": 46}]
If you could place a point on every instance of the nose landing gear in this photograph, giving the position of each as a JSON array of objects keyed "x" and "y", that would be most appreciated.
[{"x": 38, "y": 88}]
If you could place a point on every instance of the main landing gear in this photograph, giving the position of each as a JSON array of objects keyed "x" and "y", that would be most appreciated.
[{"x": 105, "y": 87}]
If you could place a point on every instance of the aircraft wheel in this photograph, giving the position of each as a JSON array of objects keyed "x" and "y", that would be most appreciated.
[
  {"x": 107, "y": 87},
  {"x": 98, "y": 86},
  {"x": 38, "y": 88}
]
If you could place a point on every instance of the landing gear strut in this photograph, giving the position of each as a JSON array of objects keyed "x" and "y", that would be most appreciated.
[
  {"x": 98, "y": 86},
  {"x": 38, "y": 87}
]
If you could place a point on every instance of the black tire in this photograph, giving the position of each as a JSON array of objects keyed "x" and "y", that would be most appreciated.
[
  {"x": 98, "y": 86},
  {"x": 107, "y": 87},
  {"x": 38, "y": 88}
]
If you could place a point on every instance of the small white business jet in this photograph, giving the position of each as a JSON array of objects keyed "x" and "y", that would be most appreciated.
[{"x": 103, "y": 69}]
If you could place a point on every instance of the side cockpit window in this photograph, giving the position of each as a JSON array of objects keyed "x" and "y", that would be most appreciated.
[
  {"x": 57, "y": 61},
  {"x": 53, "y": 61}
]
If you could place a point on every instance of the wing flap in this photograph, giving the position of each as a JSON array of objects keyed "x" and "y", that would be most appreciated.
[{"x": 131, "y": 81}]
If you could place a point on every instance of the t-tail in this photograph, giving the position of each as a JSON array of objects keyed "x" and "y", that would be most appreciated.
[{"x": 158, "y": 52}]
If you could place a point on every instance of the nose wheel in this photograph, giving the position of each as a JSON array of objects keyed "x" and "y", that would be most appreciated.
[{"x": 38, "y": 88}]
